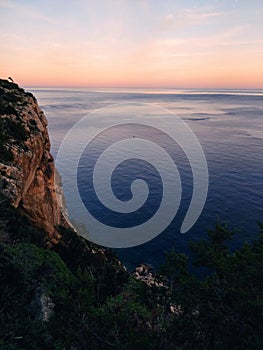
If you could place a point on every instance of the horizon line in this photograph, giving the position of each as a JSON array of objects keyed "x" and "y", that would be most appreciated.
[{"x": 140, "y": 87}]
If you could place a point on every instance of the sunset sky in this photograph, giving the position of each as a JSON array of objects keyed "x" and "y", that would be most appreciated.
[{"x": 133, "y": 43}]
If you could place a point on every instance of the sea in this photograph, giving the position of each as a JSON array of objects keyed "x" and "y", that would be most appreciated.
[{"x": 229, "y": 127}]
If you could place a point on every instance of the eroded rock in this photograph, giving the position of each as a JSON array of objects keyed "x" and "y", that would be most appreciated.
[{"x": 27, "y": 170}]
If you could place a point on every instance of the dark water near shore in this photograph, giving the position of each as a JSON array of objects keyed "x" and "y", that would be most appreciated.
[{"x": 228, "y": 125}]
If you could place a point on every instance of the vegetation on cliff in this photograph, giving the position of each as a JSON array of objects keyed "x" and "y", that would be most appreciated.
[
  {"x": 95, "y": 304},
  {"x": 12, "y": 129}
]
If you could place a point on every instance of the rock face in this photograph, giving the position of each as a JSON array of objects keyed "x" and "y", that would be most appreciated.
[
  {"x": 144, "y": 273},
  {"x": 27, "y": 171},
  {"x": 42, "y": 305}
]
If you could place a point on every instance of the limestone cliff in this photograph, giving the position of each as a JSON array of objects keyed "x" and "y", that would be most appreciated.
[{"x": 27, "y": 171}]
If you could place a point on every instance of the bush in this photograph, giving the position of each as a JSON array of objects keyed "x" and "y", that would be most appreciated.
[
  {"x": 225, "y": 309},
  {"x": 23, "y": 269}
]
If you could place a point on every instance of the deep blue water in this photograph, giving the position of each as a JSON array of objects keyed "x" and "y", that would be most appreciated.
[{"x": 228, "y": 125}]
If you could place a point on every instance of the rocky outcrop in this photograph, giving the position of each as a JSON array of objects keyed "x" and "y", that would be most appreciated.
[
  {"x": 42, "y": 305},
  {"x": 27, "y": 171},
  {"x": 144, "y": 273}
]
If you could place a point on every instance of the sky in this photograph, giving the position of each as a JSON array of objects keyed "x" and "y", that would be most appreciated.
[{"x": 133, "y": 43}]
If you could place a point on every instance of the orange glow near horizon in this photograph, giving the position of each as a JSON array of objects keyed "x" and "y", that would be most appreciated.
[
  {"x": 202, "y": 73},
  {"x": 142, "y": 45},
  {"x": 238, "y": 75}
]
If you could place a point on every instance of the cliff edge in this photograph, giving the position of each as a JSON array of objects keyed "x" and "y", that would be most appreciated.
[{"x": 27, "y": 170}]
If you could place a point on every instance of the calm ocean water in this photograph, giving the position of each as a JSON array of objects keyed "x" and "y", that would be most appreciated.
[{"x": 228, "y": 125}]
